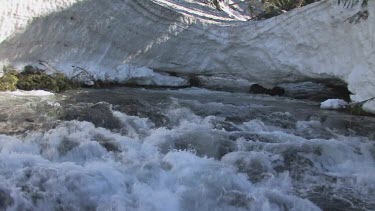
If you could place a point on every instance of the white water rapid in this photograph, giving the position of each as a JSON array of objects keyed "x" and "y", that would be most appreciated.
[{"x": 191, "y": 149}]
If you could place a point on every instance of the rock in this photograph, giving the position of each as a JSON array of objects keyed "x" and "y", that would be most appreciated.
[
  {"x": 194, "y": 81},
  {"x": 6, "y": 199},
  {"x": 316, "y": 91},
  {"x": 100, "y": 114},
  {"x": 32, "y": 70},
  {"x": 277, "y": 91},
  {"x": 8, "y": 82},
  {"x": 258, "y": 89}
]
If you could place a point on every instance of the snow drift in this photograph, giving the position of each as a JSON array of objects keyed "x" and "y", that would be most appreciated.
[{"x": 313, "y": 42}]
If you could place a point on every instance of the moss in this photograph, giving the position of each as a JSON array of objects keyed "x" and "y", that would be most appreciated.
[
  {"x": 272, "y": 8},
  {"x": 63, "y": 83},
  {"x": 55, "y": 83},
  {"x": 288, "y": 4},
  {"x": 32, "y": 80},
  {"x": 271, "y": 11},
  {"x": 8, "y": 82}
]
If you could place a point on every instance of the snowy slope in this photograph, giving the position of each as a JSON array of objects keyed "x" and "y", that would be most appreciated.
[{"x": 117, "y": 35}]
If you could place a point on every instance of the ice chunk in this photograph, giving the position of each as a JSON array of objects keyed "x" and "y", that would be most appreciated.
[{"x": 333, "y": 104}]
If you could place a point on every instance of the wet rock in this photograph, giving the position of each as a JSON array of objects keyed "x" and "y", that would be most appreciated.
[
  {"x": 316, "y": 91},
  {"x": 194, "y": 81},
  {"x": 255, "y": 164},
  {"x": 6, "y": 199},
  {"x": 277, "y": 91},
  {"x": 108, "y": 143},
  {"x": 143, "y": 109},
  {"x": 258, "y": 89},
  {"x": 280, "y": 119},
  {"x": 66, "y": 145},
  {"x": 29, "y": 69},
  {"x": 100, "y": 114},
  {"x": 340, "y": 91},
  {"x": 296, "y": 164},
  {"x": 210, "y": 144},
  {"x": 237, "y": 199}
]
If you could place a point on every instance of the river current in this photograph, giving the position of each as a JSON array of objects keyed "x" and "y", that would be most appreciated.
[{"x": 185, "y": 149}]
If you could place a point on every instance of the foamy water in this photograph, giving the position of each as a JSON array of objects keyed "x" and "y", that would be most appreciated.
[{"x": 189, "y": 150}]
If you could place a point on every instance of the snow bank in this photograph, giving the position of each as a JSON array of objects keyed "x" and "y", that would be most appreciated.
[
  {"x": 140, "y": 76},
  {"x": 333, "y": 104},
  {"x": 313, "y": 42}
]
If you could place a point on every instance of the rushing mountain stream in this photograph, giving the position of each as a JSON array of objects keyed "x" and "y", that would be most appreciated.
[{"x": 186, "y": 149}]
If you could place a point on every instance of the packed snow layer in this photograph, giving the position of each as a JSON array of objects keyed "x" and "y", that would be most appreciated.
[{"x": 315, "y": 41}]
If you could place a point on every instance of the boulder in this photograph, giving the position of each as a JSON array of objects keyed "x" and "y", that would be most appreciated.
[{"x": 258, "y": 89}]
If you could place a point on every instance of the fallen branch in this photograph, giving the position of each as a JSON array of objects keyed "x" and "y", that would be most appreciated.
[
  {"x": 48, "y": 66},
  {"x": 79, "y": 72},
  {"x": 361, "y": 103}
]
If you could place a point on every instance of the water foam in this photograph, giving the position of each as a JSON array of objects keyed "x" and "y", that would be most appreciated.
[{"x": 192, "y": 162}]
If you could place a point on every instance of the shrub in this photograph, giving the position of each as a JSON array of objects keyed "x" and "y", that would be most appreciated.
[
  {"x": 30, "y": 80},
  {"x": 8, "y": 82}
]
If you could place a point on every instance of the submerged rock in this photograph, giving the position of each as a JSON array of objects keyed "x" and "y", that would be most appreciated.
[
  {"x": 100, "y": 114},
  {"x": 258, "y": 89},
  {"x": 6, "y": 199}
]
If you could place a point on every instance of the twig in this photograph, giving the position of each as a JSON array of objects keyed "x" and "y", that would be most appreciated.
[
  {"x": 48, "y": 66},
  {"x": 360, "y": 103}
]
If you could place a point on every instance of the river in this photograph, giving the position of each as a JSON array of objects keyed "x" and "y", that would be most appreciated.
[{"x": 181, "y": 149}]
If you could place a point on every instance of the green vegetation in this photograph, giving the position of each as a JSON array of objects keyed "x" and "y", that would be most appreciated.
[
  {"x": 8, "y": 82},
  {"x": 361, "y": 15},
  {"x": 287, "y": 4},
  {"x": 273, "y": 8},
  {"x": 33, "y": 78},
  {"x": 268, "y": 8},
  {"x": 264, "y": 9},
  {"x": 44, "y": 82}
]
